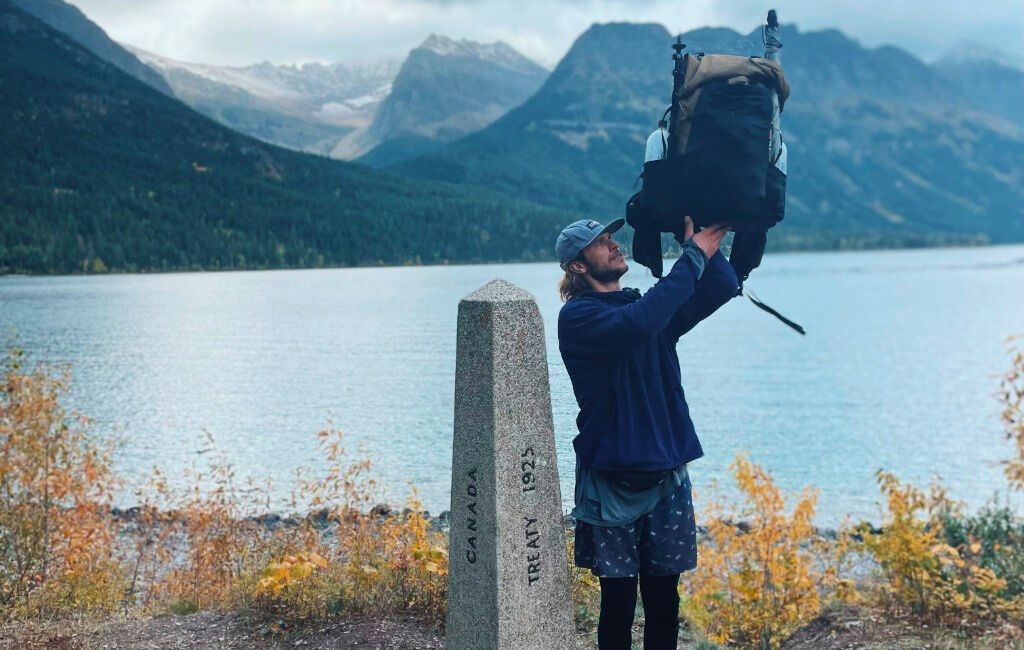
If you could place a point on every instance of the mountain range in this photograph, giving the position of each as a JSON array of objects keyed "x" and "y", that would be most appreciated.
[
  {"x": 68, "y": 19},
  {"x": 307, "y": 107},
  {"x": 883, "y": 148},
  {"x": 383, "y": 112},
  {"x": 445, "y": 89},
  {"x": 103, "y": 172},
  {"x": 380, "y": 113}
]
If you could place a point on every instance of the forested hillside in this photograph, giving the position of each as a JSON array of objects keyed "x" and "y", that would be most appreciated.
[
  {"x": 70, "y": 20},
  {"x": 100, "y": 171}
]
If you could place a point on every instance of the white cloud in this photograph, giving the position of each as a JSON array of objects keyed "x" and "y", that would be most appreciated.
[{"x": 293, "y": 31}]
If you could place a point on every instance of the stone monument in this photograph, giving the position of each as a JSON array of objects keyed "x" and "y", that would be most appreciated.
[{"x": 508, "y": 584}]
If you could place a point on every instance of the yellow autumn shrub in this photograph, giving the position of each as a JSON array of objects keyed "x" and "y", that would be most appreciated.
[
  {"x": 56, "y": 532},
  {"x": 293, "y": 589},
  {"x": 924, "y": 575},
  {"x": 398, "y": 564},
  {"x": 1011, "y": 395},
  {"x": 288, "y": 571},
  {"x": 219, "y": 537},
  {"x": 585, "y": 590},
  {"x": 346, "y": 556},
  {"x": 756, "y": 584}
]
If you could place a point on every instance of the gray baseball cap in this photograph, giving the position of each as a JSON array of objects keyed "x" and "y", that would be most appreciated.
[{"x": 580, "y": 234}]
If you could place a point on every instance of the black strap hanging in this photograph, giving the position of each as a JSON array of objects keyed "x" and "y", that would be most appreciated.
[{"x": 757, "y": 303}]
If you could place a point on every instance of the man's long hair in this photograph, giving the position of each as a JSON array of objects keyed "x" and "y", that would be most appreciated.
[{"x": 572, "y": 284}]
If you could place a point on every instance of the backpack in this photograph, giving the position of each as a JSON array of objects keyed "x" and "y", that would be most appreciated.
[
  {"x": 725, "y": 160},
  {"x": 719, "y": 166}
]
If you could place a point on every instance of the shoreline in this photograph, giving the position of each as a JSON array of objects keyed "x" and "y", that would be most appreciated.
[
  {"x": 320, "y": 519},
  {"x": 954, "y": 243}
]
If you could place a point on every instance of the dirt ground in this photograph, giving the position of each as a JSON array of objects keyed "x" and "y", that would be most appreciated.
[
  {"x": 849, "y": 628},
  {"x": 215, "y": 631},
  {"x": 843, "y": 629}
]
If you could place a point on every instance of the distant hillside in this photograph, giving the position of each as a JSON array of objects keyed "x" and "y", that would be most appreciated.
[
  {"x": 883, "y": 151},
  {"x": 102, "y": 172},
  {"x": 444, "y": 90},
  {"x": 989, "y": 79},
  {"x": 307, "y": 108},
  {"x": 67, "y": 18}
]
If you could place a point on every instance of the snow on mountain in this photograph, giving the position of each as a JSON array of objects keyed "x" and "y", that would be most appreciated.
[
  {"x": 989, "y": 78},
  {"x": 346, "y": 110},
  {"x": 499, "y": 53},
  {"x": 339, "y": 94},
  {"x": 446, "y": 88},
  {"x": 972, "y": 52}
]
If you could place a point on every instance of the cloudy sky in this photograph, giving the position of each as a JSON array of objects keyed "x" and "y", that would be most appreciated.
[{"x": 239, "y": 32}]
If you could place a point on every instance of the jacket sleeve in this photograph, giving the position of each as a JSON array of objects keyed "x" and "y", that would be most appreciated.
[
  {"x": 717, "y": 286},
  {"x": 594, "y": 327}
]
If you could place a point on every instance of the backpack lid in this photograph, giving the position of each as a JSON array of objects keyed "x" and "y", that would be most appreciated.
[{"x": 717, "y": 67}]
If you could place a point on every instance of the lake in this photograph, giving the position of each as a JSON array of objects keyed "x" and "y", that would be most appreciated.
[{"x": 899, "y": 369}]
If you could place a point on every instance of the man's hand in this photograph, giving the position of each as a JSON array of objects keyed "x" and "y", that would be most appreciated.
[{"x": 708, "y": 239}]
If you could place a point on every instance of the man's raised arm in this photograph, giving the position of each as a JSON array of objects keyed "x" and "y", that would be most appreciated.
[
  {"x": 718, "y": 285},
  {"x": 594, "y": 327}
]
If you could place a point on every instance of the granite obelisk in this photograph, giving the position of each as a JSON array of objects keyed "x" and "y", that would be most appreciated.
[{"x": 508, "y": 575}]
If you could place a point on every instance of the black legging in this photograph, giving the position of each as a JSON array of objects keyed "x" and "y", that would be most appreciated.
[{"x": 661, "y": 612}]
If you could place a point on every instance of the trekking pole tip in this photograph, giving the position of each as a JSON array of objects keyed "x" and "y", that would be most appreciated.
[{"x": 679, "y": 46}]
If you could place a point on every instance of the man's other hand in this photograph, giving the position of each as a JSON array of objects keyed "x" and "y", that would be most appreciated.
[
  {"x": 709, "y": 238},
  {"x": 688, "y": 232}
]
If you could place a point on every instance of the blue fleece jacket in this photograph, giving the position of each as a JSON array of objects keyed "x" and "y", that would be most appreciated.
[{"x": 620, "y": 351}]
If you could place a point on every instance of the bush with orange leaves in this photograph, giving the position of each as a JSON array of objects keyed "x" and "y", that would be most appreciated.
[
  {"x": 584, "y": 590},
  {"x": 1011, "y": 394},
  {"x": 755, "y": 585},
  {"x": 56, "y": 553},
  {"x": 345, "y": 558},
  {"x": 399, "y": 564},
  {"x": 219, "y": 534},
  {"x": 923, "y": 574},
  {"x": 62, "y": 552},
  {"x": 938, "y": 563}
]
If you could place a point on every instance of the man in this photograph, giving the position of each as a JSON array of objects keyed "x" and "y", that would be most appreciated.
[{"x": 634, "y": 512}]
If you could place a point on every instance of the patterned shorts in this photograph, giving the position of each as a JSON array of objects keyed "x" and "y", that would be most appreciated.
[{"x": 662, "y": 542}]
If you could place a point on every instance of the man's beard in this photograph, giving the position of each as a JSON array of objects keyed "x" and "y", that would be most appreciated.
[{"x": 606, "y": 275}]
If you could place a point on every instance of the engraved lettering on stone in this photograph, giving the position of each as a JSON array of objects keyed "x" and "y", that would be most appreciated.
[
  {"x": 471, "y": 492},
  {"x": 528, "y": 467},
  {"x": 532, "y": 557}
]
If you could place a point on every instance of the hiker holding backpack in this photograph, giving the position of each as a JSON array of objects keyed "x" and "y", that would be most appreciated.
[{"x": 633, "y": 505}]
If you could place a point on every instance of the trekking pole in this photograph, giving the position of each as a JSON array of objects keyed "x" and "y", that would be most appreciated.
[
  {"x": 770, "y": 37},
  {"x": 772, "y": 45},
  {"x": 678, "y": 83}
]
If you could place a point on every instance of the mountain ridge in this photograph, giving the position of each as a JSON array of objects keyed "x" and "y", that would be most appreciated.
[
  {"x": 499, "y": 52},
  {"x": 445, "y": 89},
  {"x": 881, "y": 150},
  {"x": 305, "y": 107},
  {"x": 70, "y": 20},
  {"x": 102, "y": 172}
]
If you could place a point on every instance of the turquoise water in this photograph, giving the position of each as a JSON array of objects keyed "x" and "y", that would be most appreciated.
[{"x": 899, "y": 369}]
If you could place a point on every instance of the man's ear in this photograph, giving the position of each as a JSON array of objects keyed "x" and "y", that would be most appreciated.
[{"x": 577, "y": 266}]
